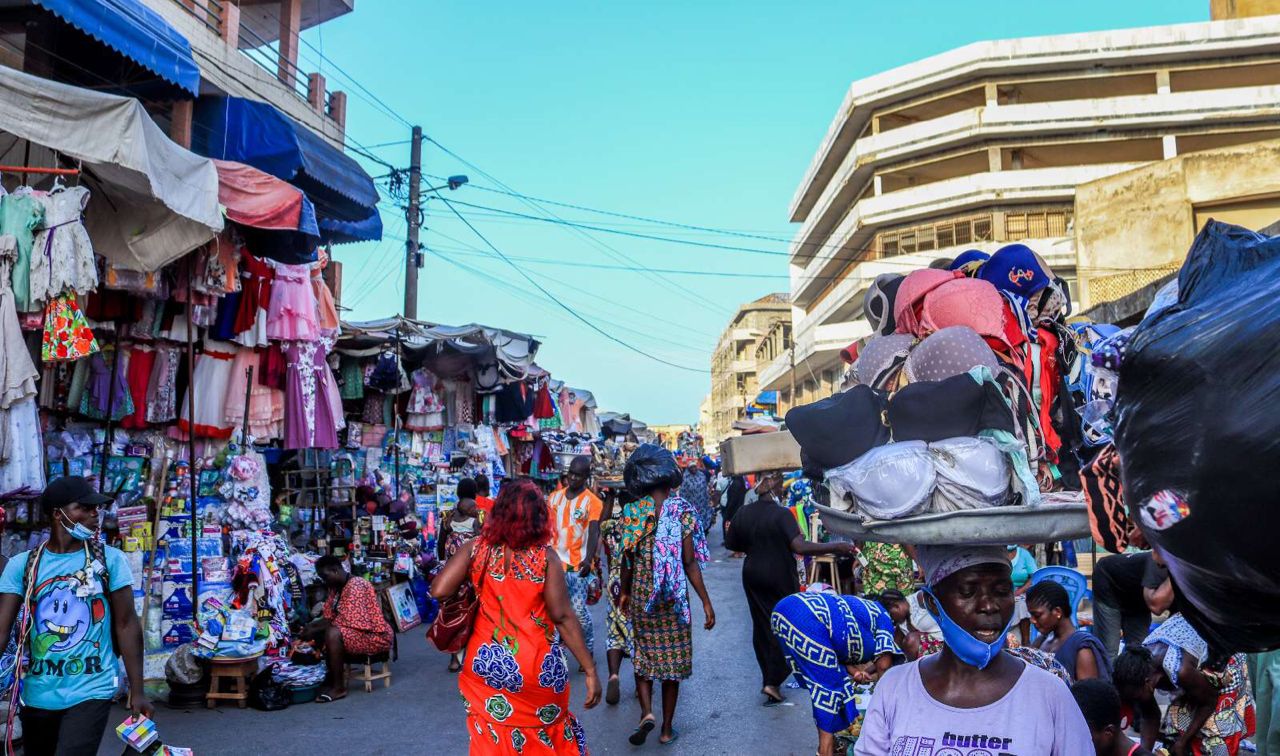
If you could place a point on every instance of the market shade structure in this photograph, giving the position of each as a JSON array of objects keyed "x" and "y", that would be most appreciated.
[
  {"x": 153, "y": 200},
  {"x": 257, "y": 134},
  {"x": 514, "y": 352},
  {"x": 257, "y": 199},
  {"x": 135, "y": 31}
]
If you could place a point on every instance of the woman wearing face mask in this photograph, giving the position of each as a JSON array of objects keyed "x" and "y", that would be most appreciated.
[
  {"x": 970, "y": 696},
  {"x": 80, "y": 594}
]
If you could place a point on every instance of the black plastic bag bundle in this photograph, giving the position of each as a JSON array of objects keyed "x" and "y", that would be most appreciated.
[
  {"x": 1198, "y": 433},
  {"x": 266, "y": 694},
  {"x": 651, "y": 466}
]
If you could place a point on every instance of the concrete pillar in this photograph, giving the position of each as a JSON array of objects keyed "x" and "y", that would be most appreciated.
[
  {"x": 997, "y": 226},
  {"x": 315, "y": 92},
  {"x": 1169, "y": 143},
  {"x": 993, "y": 94},
  {"x": 180, "y": 122},
  {"x": 877, "y": 185},
  {"x": 995, "y": 163},
  {"x": 290, "y": 26},
  {"x": 338, "y": 108},
  {"x": 229, "y": 24},
  {"x": 875, "y": 124},
  {"x": 1162, "y": 81}
]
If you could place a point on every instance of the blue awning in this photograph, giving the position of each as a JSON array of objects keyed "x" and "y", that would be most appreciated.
[
  {"x": 257, "y": 134},
  {"x": 334, "y": 231},
  {"x": 767, "y": 398},
  {"x": 135, "y": 31}
]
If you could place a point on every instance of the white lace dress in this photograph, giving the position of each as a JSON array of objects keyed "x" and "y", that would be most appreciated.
[
  {"x": 62, "y": 256},
  {"x": 21, "y": 453}
]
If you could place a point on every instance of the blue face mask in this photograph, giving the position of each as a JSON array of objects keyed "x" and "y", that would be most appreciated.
[
  {"x": 77, "y": 531},
  {"x": 967, "y": 648}
]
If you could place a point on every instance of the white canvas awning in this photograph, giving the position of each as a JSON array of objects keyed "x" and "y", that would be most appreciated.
[{"x": 152, "y": 200}]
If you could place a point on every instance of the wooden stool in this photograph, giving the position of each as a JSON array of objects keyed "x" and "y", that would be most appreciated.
[
  {"x": 364, "y": 666},
  {"x": 239, "y": 671},
  {"x": 833, "y": 573}
]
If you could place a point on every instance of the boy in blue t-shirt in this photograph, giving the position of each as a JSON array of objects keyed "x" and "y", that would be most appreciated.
[{"x": 81, "y": 600}]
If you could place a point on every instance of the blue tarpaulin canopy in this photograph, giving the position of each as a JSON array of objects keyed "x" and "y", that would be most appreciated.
[
  {"x": 132, "y": 29},
  {"x": 257, "y": 134},
  {"x": 767, "y": 398}
]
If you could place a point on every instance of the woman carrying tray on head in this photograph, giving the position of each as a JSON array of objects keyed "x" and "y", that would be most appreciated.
[{"x": 969, "y": 695}]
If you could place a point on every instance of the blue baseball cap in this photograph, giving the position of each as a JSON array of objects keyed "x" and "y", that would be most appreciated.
[{"x": 1016, "y": 269}]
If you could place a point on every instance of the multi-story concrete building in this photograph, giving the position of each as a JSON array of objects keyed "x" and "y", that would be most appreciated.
[
  {"x": 733, "y": 364},
  {"x": 986, "y": 144}
]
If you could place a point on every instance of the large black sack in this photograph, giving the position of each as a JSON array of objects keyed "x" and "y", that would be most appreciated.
[
  {"x": 1198, "y": 433},
  {"x": 651, "y": 466}
]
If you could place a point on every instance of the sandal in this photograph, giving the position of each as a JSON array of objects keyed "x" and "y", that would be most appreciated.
[
  {"x": 675, "y": 735},
  {"x": 326, "y": 698},
  {"x": 771, "y": 699},
  {"x": 454, "y": 666},
  {"x": 612, "y": 692},
  {"x": 641, "y": 733}
]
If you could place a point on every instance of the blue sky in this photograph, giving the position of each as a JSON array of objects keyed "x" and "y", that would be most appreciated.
[{"x": 704, "y": 113}]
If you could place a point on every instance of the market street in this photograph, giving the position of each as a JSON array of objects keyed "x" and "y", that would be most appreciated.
[{"x": 719, "y": 712}]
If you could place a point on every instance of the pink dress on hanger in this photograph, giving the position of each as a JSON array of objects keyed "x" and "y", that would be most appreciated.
[
  {"x": 311, "y": 397},
  {"x": 292, "y": 314},
  {"x": 266, "y": 404},
  {"x": 326, "y": 311}
]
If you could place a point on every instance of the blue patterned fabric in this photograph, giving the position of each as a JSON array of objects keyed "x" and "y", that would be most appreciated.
[
  {"x": 578, "y": 599},
  {"x": 820, "y": 633}
]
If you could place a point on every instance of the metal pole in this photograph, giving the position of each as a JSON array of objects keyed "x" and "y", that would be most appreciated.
[
  {"x": 111, "y": 406},
  {"x": 191, "y": 452},
  {"x": 396, "y": 408},
  {"x": 412, "y": 216},
  {"x": 248, "y": 393}
]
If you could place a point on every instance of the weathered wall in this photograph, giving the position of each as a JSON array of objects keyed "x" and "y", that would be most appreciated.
[
  {"x": 1135, "y": 227},
  {"x": 1223, "y": 9}
]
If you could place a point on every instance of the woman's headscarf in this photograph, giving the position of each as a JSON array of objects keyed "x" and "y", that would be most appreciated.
[{"x": 941, "y": 562}]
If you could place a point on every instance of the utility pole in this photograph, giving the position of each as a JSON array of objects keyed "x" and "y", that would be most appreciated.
[{"x": 413, "y": 216}]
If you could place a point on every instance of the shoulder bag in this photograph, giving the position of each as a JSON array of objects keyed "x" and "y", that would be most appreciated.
[{"x": 457, "y": 616}]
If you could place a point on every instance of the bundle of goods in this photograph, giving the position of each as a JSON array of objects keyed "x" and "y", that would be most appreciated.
[
  {"x": 1197, "y": 433},
  {"x": 960, "y": 410}
]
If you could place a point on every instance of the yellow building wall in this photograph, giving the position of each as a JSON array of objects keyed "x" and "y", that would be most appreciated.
[
  {"x": 1135, "y": 227},
  {"x": 1223, "y": 9}
]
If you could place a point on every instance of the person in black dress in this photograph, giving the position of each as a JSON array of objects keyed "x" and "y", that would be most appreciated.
[{"x": 769, "y": 535}]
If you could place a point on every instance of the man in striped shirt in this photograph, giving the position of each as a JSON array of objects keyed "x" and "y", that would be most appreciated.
[{"x": 575, "y": 534}]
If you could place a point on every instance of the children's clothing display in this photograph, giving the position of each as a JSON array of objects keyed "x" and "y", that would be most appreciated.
[
  {"x": 327, "y": 312},
  {"x": 20, "y": 217},
  {"x": 291, "y": 315},
  {"x": 266, "y": 404},
  {"x": 66, "y": 332},
  {"x": 257, "y": 277},
  {"x": 309, "y": 418},
  {"x": 211, "y": 381},
  {"x": 62, "y": 255}
]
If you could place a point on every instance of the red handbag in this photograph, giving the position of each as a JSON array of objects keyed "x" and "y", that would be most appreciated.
[{"x": 457, "y": 616}]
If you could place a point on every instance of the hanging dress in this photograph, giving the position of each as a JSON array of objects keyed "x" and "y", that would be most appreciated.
[
  {"x": 142, "y": 360},
  {"x": 21, "y": 455},
  {"x": 20, "y": 216},
  {"x": 515, "y": 677},
  {"x": 162, "y": 388},
  {"x": 62, "y": 255},
  {"x": 327, "y": 312},
  {"x": 425, "y": 410},
  {"x": 266, "y": 404},
  {"x": 309, "y": 419},
  {"x": 210, "y": 382},
  {"x": 107, "y": 390},
  {"x": 255, "y": 295},
  {"x": 66, "y": 332},
  {"x": 291, "y": 315}
]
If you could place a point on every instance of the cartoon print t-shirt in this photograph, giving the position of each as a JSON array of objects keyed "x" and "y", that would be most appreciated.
[{"x": 72, "y": 657}]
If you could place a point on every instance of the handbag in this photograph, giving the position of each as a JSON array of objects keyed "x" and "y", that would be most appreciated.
[{"x": 457, "y": 616}]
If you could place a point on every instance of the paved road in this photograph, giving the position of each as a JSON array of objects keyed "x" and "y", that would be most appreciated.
[{"x": 719, "y": 712}]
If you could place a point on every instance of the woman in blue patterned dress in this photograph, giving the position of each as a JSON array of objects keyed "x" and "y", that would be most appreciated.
[{"x": 833, "y": 642}]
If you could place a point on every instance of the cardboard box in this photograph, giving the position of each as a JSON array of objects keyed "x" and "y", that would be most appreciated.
[{"x": 743, "y": 455}]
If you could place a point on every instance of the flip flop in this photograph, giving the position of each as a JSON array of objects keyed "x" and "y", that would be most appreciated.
[
  {"x": 769, "y": 700},
  {"x": 641, "y": 733},
  {"x": 612, "y": 692},
  {"x": 326, "y": 698},
  {"x": 675, "y": 735}
]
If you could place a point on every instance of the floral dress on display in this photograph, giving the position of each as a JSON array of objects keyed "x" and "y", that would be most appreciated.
[{"x": 515, "y": 680}]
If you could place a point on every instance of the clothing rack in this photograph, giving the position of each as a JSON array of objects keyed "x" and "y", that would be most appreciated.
[{"x": 39, "y": 171}]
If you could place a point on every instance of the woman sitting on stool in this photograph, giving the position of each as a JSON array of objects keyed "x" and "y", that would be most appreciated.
[{"x": 353, "y": 624}]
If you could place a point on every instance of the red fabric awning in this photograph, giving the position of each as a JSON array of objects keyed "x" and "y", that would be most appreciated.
[{"x": 258, "y": 199}]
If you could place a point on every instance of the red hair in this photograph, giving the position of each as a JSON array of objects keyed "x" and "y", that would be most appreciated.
[{"x": 519, "y": 519}]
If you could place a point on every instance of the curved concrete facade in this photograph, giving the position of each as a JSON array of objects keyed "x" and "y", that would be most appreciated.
[{"x": 986, "y": 144}]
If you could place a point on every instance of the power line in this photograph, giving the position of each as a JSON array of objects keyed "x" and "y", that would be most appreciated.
[
  {"x": 644, "y": 219},
  {"x": 555, "y": 299},
  {"x": 695, "y": 297},
  {"x": 647, "y": 314}
]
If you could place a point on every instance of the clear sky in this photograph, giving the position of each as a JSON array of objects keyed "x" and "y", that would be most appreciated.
[{"x": 699, "y": 112}]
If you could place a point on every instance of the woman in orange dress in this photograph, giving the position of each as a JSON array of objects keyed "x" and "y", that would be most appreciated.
[{"x": 515, "y": 680}]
